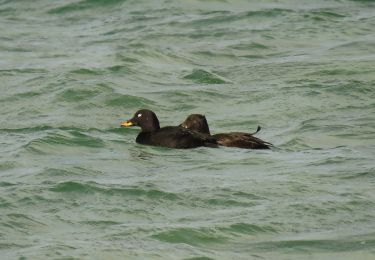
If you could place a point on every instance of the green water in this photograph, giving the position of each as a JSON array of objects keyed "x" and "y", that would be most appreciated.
[{"x": 74, "y": 185}]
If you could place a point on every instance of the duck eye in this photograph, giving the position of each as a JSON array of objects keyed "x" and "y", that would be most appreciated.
[{"x": 139, "y": 115}]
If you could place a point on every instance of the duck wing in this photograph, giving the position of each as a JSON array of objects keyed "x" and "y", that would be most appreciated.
[
  {"x": 241, "y": 140},
  {"x": 175, "y": 137}
]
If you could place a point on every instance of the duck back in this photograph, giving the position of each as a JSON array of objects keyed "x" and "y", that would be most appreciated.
[{"x": 175, "y": 137}]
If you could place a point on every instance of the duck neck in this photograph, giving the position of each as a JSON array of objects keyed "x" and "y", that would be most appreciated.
[{"x": 151, "y": 124}]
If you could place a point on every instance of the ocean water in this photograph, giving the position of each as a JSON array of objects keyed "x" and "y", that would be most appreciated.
[{"x": 74, "y": 185}]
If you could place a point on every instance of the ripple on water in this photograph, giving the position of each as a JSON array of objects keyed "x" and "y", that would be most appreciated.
[
  {"x": 214, "y": 18},
  {"x": 345, "y": 244},
  {"x": 85, "y": 71},
  {"x": 191, "y": 236},
  {"x": 211, "y": 236},
  {"x": 83, "y": 5},
  {"x": 60, "y": 173},
  {"x": 4, "y": 204},
  {"x": 129, "y": 102},
  {"x": 78, "y": 94},
  {"x": 370, "y": 174},
  {"x": 52, "y": 141},
  {"x": 91, "y": 187},
  {"x": 249, "y": 229},
  {"x": 229, "y": 202},
  {"x": 205, "y": 77},
  {"x": 20, "y": 223},
  {"x": 199, "y": 258}
]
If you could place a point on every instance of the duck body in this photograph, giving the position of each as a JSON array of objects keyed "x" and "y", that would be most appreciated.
[
  {"x": 168, "y": 136},
  {"x": 174, "y": 137},
  {"x": 198, "y": 123},
  {"x": 240, "y": 140}
]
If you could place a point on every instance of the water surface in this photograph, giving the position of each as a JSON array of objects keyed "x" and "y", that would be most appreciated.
[{"x": 73, "y": 185}]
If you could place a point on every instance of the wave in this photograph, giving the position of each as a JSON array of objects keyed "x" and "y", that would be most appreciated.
[
  {"x": 228, "y": 202},
  {"x": 12, "y": 246},
  {"x": 83, "y": 5},
  {"x": 349, "y": 244},
  {"x": 249, "y": 229},
  {"x": 199, "y": 258},
  {"x": 21, "y": 223},
  {"x": 91, "y": 187},
  {"x": 103, "y": 71},
  {"x": 129, "y": 102},
  {"x": 230, "y": 17},
  {"x": 76, "y": 95},
  {"x": 152, "y": 193},
  {"x": 11, "y": 72},
  {"x": 73, "y": 171},
  {"x": 48, "y": 128},
  {"x": 370, "y": 174},
  {"x": 191, "y": 236},
  {"x": 51, "y": 141},
  {"x": 205, "y": 77},
  {"x": 355, "y": 45},
  {"x": 211, "y": 235},
  {"x": 100, "y": 223}
]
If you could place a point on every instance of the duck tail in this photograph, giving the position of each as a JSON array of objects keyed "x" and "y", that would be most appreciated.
[{"x": 258, "y": 129}]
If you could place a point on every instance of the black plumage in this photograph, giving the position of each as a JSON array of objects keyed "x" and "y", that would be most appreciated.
[
  {"x": 169, "y": 136},
  {"x": 198, "y": 123}
]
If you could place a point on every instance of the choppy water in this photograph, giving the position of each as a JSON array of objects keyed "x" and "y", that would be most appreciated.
[{"x": 73, "y": 185}]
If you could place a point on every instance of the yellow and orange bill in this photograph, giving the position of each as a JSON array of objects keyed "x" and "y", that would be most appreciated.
[{"x": 127, "y": 123}]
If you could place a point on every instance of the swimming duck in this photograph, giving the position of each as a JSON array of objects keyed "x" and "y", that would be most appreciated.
[
  {"x": 198, "y": 123},
  {"x": 168, "y": 136}
]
